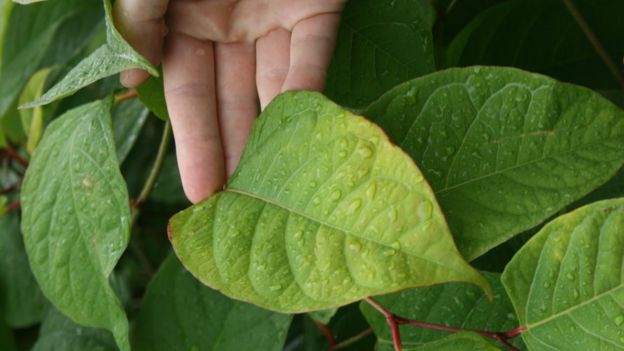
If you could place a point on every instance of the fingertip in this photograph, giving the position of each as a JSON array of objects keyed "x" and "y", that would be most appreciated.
[
  {"x": 133, "y": 78},
  {"x": 198, "y": 193}
]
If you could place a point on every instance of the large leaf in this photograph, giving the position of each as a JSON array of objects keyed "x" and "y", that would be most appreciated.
[
  {"x": 321, "y": 212},
  {"x": 567, "y": 282},
  {"x": 58, "y": 333},
  {"x": 31, "y": 30},
  {"x": 379, "y": 46},
  {"x": 542, "y": 36},
  {"x": 179, "y": 313},
  {"x": 76, "y": 219},
  {"x": 503, "y": 149},
  {"x": 454, "y": 305},
  {"x": 111, "y": 58},
  {"x": 21, "y": 301}
]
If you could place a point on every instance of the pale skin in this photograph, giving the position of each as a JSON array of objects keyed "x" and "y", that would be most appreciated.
[{"x": 220, "y": 57}]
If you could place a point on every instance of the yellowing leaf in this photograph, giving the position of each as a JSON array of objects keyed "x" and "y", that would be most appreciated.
[
  {"x": 32, "y": 120},
  {"x": 322, "y": 211}
]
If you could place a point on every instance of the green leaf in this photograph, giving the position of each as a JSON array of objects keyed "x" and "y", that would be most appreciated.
[
  {"x": 21, "y": 300},
  {"x": 76, "y": 217},
  {"x": 128, "y": 120},
  {"x": 323, "y": 316},
  {"x": 321, "y": 212},
  {"x": 454, "y": 305},
  {"x": 179, "y": 313},
  {"x": 566, "y": 282},
  {"x": 6, "y": 6},
  {"x": 542, "y": 36},
  {"x": 7, "y": 340},
  {"x": 464, "y": 341},
  {"x": 111, "y": 58},
  {"x": 378, "y": 47},
  {"x": 152, "y": 94},
  {"x": 32, "y": 30},
  {"x": 503, "y": 149},
  {"x": 32, "y": 120},
  {"x": 27, "y": 2},
  {"x": 59, "y": 333}
]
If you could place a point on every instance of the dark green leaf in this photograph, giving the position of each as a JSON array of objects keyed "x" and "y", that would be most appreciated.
[
  {"x": 152, "y": 94},
  {"x": 128, "y": 119},
  {"x": 76, "y": 217},
  {"x": 503, "y": 149},
  {"x": 21, "y": 300},
  {"x": 566, "y": 283},
  {"x": 7, "y": 340},
  {"x": 465, "y": 341},
  {"x": 380, "y": 45},
  {"x": 542, "y": 36},
  {"x": 454, "y": 305},
  {"x": 322, "y": 211},
  {"x": 179, "y": 313},
  {"x": 59, "y": 333}
]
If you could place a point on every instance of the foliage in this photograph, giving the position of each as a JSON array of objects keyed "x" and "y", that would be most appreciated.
[{"x": 387, "y": 186}]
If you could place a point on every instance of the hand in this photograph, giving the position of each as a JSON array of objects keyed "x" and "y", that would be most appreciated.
[{"x": 219, "y": 57}]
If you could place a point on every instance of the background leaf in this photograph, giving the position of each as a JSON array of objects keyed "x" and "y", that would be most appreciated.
[
  {"x": 59, "y": 333},
  {"x": 453, "y": 305},
  {"x": 128, "y": 120},
  {"x": 459, "y": 342},
  {"x": 542, "y": 36},
  {"x": 321, "y": 212},
  {"x": 380, "y": 44},
  {"x": 21, "y": 300},
  {"x": 179, "y": 313},
  {"x": 503, "y": 149},
  {"x": 111, "y": 58},
  {"x": 32, "y": 120},
  {"x": 566, "y": 282},
  {"x": 76, "y": 217},
  {"x": 152, "y": 94}
]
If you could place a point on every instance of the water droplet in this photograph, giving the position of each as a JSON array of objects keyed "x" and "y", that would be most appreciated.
[
  {"x": 354, "y": 206},
  {"x": 371, "y": 190},
  {"x": 275, "y": 287},
  {"x": 424, "y": 210},
  {"x": 389, "y": 252},
  {"x": 316, "y": 201},
  {"x": 342, "y": 154},
  {"x": 570, "y": 276},
  {"x": 365, "y": 151},
  {"x": 396, "y": 245},
  {"x": 355, "y": 246},
  {"x": 298, "y": 235},
  {"x": 546, "y": 285},
  {"x": 335, "y": 195},
  {"x": 619, "y": 320}
]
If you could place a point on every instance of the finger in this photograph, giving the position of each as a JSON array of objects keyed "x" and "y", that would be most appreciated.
[
  {"x": 141, "y": 22},
  {"x": 273, "y": 60},
  {"x": 312, "y": 45},
  {"x": 237, "y": 99},
  {"x": 191, "y": 99}
]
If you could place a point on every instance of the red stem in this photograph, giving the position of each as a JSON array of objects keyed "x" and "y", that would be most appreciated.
[
  {"x": 125, "y": 96},
  {"x": 12, "y": 154},
  {"x": 395, "y": 321},
  {"x": 328, "y": 335},
  {"x": 8, "y": 190},
  {"x": 12, "y": 206}
]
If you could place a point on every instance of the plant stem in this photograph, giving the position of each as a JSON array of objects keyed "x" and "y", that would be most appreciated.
[
  {"x": 12, "y": 154},
  {"x": 352, "y": 340},
  {"x": 395, "y": 321},
  {"x": 12, "y": 206},
  {"x": 8, "y": 190},
  {"x": 125, "y": 96},
  {"x": 593, "y": 39},
  {"x": 327, "y": 333},
  {"x": 155, "y": 171}
]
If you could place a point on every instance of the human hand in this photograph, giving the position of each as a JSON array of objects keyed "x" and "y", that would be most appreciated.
[{"x": 219, "y": 57}]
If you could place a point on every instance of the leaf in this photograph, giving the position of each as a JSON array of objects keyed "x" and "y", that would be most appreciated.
[
  {"x": 566, "y": 282},
  {"x": 379, "y": 46},
  {"x": 32, "y": 120},
  {"x": 464, "y": 341},
  {"x": 6, "y": 6},
  {"x": 503, "y": 149},
  {"x": 179, "y": 313},
  {"x": 111, "y": 58},
  {"x": 454, "y": 305},
  {"x": 7, "y": 340},
  {"x": 21, "y": 300},
  {"x": 542, "y": 36},
  {"x": 152, "y": 94},
  {"x": 323, "y": 316},
  {"x": 128, "y": 120},
  {"x": 32, "y": 29},
  {"x": 58, "y": 333},
  {"x": 27, "y": 2},
  {"x": 76, "y": 217},
  {"x": 321, "y": 212}
]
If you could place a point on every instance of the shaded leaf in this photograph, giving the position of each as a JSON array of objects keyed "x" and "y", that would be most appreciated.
[
  {"x": 453, "y": 305},
  {"x": 179, "y": 313},
  {"x": 379, "y": 46},
  {"x": 321, "y": 212},
  {"x": 323, "y": 316},
  {"x": 7, "y": 340},
  {"x": 76, "y": 217},
  {"x": 128, "y": 120},
  {"x": 21, "y": 300},
  {"x": 503, "y": 149},
  {"x": 566, "y": 282},
  {"x": 152, "y": 94},
  {"x": 542, "y": 36},
  {"x": 59, "y": 333},
  {"x": 465, "y": 341},
  {"x": 111, "y": 58}
]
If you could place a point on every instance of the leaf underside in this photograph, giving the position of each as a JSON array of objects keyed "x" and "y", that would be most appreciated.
[{"x": 321, "y": 212}]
